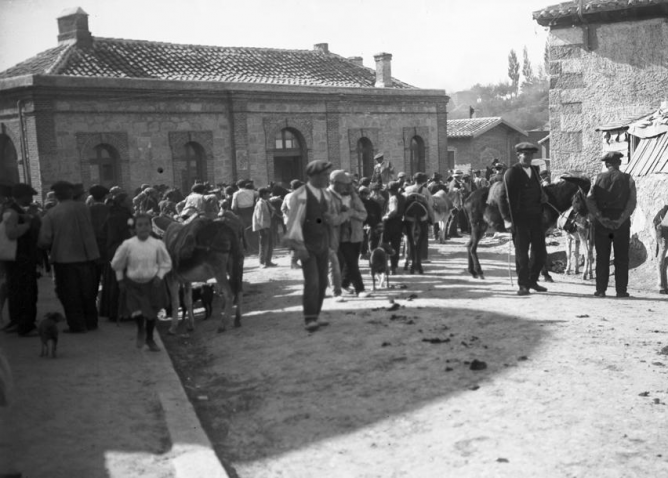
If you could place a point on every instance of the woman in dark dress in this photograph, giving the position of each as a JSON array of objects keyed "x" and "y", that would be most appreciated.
[{"x": 119, "y": 227}]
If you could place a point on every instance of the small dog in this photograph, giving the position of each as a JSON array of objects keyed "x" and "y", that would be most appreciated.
[
  {"x": 48, "y": 331},
  {"x": 378, "y": 265},
  {"x": 200, "y": 292}
]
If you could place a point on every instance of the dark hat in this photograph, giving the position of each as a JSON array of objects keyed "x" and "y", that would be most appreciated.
[
  {"x": 78, "y": 189},
  {"x": 98, "y": 191},
  {"x": 318, "y": 166},
  {"x": 198, "y": 188},
  {"x": 612, "y": 157},
  {"x": 62, "y": 186},
  {"x": 241, "y": 183},
  {"x": 526, "y": 147},
  {"x": 379, "y": 155},
  {"x": 20, "y": 190},
  {"x": 419, "y": 177}
]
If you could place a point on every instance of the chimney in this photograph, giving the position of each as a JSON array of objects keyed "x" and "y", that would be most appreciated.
[
  {"x": 357, "y": 60},
  {"x": 73, "y": 28},
  {"x": 383, "y": 70},
  {"x": 322, "y": 47}
]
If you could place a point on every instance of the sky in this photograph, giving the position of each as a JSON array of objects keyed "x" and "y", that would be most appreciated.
[{"x": 440, "y": 44}]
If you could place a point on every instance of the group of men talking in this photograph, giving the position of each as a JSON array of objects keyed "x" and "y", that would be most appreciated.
[{"x": 311, "y": 222}]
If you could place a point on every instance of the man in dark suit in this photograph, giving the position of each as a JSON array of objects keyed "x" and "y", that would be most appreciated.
[{"x": 521, "y": 207}]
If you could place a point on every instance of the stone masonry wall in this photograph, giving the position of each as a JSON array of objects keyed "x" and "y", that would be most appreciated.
[{"x": 624, "y": 73}]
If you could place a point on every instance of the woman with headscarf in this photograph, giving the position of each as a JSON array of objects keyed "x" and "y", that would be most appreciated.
[{"x": 118, "y": 228}]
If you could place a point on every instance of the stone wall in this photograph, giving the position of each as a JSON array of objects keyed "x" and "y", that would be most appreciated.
[
  {"x": 479, "y": 152},
  {"x": 601, "y": 74}
]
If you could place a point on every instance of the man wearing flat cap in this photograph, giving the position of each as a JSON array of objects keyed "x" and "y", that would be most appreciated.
[
  {"x": 339, "y": 190},
  {"x": 612, "y": 200},
  {"x": 243, "y": 205},
  {"x": 521, "y": 207},
  {"x": 22, "y": 272},
  {"x": 308, "y": 234},
  {"x": 67, "y": 232},
  {"x": 383, "y": 170}
]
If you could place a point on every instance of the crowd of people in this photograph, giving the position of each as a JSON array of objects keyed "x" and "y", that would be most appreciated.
[{"x": 99, "y": 242}]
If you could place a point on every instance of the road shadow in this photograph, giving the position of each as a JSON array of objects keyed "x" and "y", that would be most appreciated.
[{"x": 272, "y": 388}]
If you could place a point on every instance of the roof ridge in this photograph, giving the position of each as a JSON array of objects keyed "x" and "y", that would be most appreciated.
[
  {"x": 60, "y": 60},
  {"x": 156, "y": 42}
]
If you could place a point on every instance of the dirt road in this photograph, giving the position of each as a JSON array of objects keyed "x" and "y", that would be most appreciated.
[{"x": 571, "y": 385}]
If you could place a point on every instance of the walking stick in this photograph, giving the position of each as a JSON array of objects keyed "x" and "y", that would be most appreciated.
[{"x": 512, "y": 222}]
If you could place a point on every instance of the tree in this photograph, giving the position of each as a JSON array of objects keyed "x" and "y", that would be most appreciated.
[
  {"x": 527, "y": 70},
  {"x": 514, "y": 71}
]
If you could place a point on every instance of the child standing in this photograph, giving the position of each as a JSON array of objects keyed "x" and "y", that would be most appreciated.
[
  {"x": 141, "y": 263},
  {"x": 262, "y": 220}
]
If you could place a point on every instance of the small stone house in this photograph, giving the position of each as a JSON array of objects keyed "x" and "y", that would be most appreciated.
[
  {"x": 473, "y": 143},
  {"x": 127, "y": 112},
  {"x": 608, "y": 65}
]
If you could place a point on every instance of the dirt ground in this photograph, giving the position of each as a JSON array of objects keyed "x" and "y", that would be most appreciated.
[{"x": 571, "y": 385}]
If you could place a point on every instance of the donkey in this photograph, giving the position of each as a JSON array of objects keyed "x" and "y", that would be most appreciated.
[
  {"x": 446, "y": 206},
  {"x": 416, "y": 216},
  {"x": 483, "y": 213},
  {"x": 580, "y": 231},
  {"x": 201, "y": 250}
]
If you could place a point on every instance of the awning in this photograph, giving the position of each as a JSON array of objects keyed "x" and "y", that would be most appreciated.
[
  {"x": 650, "y": 126},
  {"x": 651, "y": 156}
]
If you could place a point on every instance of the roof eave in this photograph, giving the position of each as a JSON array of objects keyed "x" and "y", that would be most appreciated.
[
  {"x": 613, "y": 15},
  {"x": 57, "y": 81}
]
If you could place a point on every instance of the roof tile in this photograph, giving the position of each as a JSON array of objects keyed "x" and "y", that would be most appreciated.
[
  {"x": 117, "y": 58},
  {"x": 468, "y": 128}
]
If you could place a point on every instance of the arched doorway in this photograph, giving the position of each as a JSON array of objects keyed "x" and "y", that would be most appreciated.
[
  {"x": 104, "y": 166},
  {"x": 365, "y": 157},
  {"x": 289, "y": 156},
  {"x": 194, "y": 166},
  {"x": 9, "y": 166},
  {"x": 417, "y": 162}
]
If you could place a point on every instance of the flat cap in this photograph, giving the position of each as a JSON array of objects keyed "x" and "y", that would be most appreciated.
[
  {"x": 318, "y": 166},
  {"x": 379, "y": 155},
  {"x": 339, "y": 176},
  {"x": 401, "y": 175},
  {"x": 198, "y": 188},
  {"x": 20, "y": 190},
  {"x": 612, "y": 156},
  {"x": 241, "y": 183},
  {"x": 526, "y": 147},
  {"x": 420, "y": 177}
]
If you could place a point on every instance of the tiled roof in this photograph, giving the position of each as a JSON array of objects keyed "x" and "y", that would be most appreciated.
[
  {"x": 116, "y": 58},
  {"x": 470, "y": 128},
  {"x": 569, "y": 10}
]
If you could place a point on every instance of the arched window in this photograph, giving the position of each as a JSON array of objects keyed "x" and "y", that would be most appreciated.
[
  {"x": 365, "y": 157},
  {"x": 417, "y": 155},
  {"x": 104, "y": 167},
  {"x": 289, "y": 156},
  {"x": 9, "y": 168},
  {"x": 194, "y": 163}
]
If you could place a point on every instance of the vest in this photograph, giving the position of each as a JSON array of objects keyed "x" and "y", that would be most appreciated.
[
  {"x": 315, "y": 230},
  {"x": 611, "y": 190}
]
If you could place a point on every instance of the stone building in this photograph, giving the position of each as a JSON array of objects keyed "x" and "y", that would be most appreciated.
[
  {"x": 473, "y": 143},
  {"x": 608, "y": 65},
  {"x": 113, "y": 111}
]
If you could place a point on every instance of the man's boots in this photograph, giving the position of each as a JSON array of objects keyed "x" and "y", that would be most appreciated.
[
  {"x": 141, "y": 333},
  {"x": 150, "y": 327}
]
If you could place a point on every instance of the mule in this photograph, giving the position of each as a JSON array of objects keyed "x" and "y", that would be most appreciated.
[
  {"x": 446, "y": 206},
  {"x": 483, "y": 213},
  {"x": 579, "y": 232},
  {"x": 416, "y": 216},
  {"x": 201, "y": 250}
]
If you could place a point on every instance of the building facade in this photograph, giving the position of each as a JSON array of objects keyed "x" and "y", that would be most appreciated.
[{"x": 125, "y": 112}]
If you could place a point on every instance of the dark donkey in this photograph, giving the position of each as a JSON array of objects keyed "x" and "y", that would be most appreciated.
[
  {"x": 416, "y": 216},
  {"x": 482, "y": 210}
]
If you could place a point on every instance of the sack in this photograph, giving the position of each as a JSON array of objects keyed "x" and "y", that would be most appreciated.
[{"x": 7, "y": 245}]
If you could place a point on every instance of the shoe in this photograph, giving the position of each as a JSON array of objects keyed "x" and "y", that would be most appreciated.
[
  {"x": 322, "y": 322},
  {"x": 311, "y": 326},
  {"x": 152, "y": 346},
  {"x": 538, "y": 288},
  {"x": 364, "y": 294},
  {"x": 623, "y": 294},
  {"x": 339, "y": 298},
  {"x": 523, "y": 291},
  {"x": 11, "y": 328},
  {"x": 599, "y": 293},
  {"x": 271, "y": 264}
]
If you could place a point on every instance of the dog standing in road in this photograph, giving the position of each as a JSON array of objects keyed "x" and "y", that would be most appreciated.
[
  {"x": 48, "y": 332},
  {"x": 379, "y": 266}
]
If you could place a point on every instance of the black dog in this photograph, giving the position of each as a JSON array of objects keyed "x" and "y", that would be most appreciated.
[
  {"x": 48, "y": 331},
  {"x": 200, "y": 292},
  {"x": 379, "y": 266}
]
